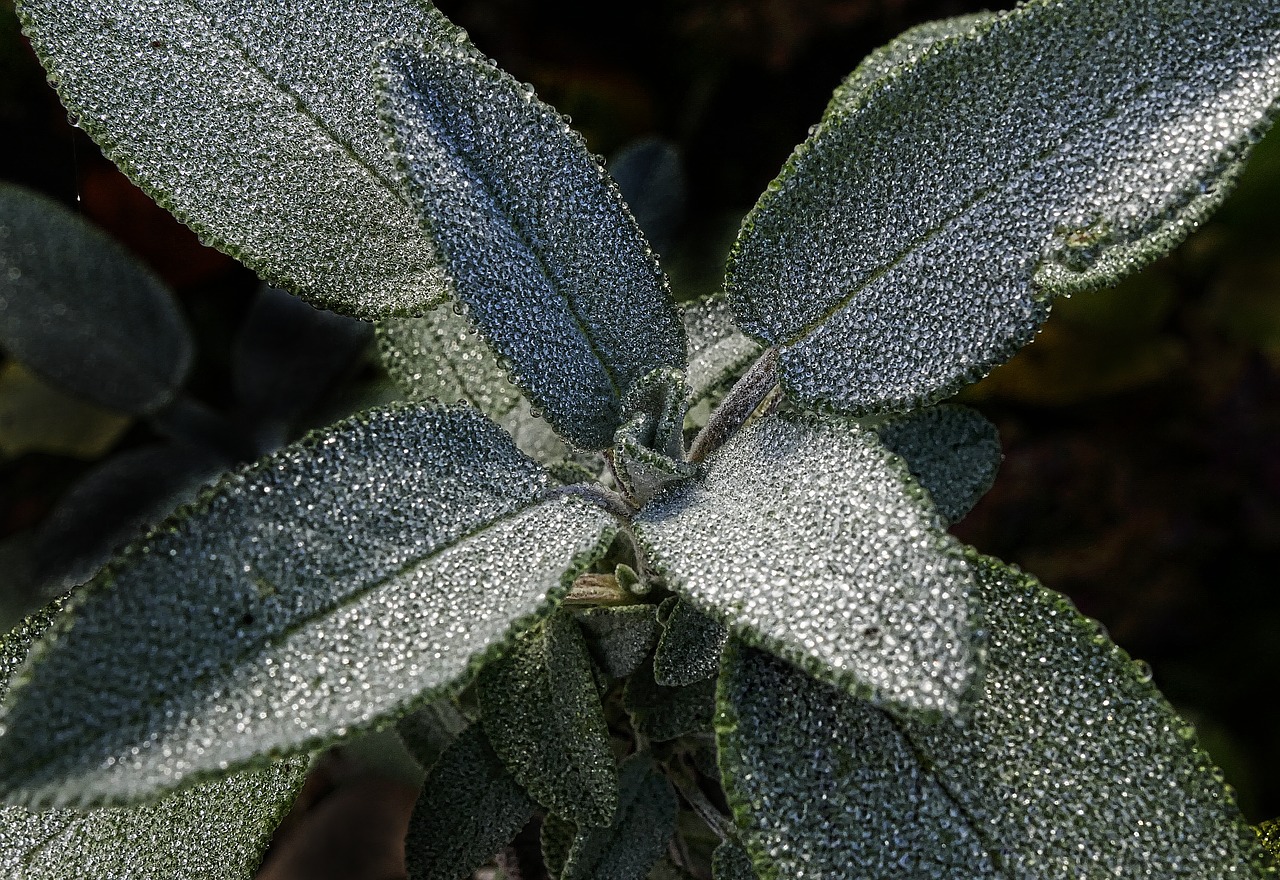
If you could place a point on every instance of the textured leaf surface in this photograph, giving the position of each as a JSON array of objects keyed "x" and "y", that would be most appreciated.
[
  {"x": 718, "y": 350},
  {"x": 952, "y": 450},
  {"x": 331, "y": 585},
  {"x": 1269, "y": 837},
  {"x": 689, "y": 649},
  {"x": 535, "y": 237},
  {"x": 556, "y": 839},
  {"x": 808, "y": 538},
  {"x": 255, "y": 124},
  {"x": 539, "y": 707},
  {"x": 439, "y": 356},
  {"x": 470, "y": 807},
  {"x": 217, "y": 831},
  {"x": 731, "y": 862},
  {"x": 662, "y": 713},
  {"x": 1070, "y": 765},
  {"x": 915, "y": 240},
  {"x": 620, "y": 638},
  {"x": 633, "y": 844},
  {"x": 81, "y": 311}
]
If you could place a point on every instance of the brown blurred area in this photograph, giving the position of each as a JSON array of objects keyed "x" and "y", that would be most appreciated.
[{"x": 1142, "y": 471}]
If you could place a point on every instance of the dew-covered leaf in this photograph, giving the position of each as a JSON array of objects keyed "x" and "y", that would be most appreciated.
[
  {"x": 535, "y": 237},
  {"x": 690, "y": 645},
  {"x": 916, "y": 239},
  {"x": 331, "y": 586},
  {"x": 718, "y": 350},
  {"x": 255, "y": 124},
  {"x": 1070, "y": 764},
  {"x": 1269, "y": 837},
  {"x": 648, "y": 450},
  {"x": 662, "y": 713},
  {"x": 439, "y": 356},
  {"x": 82, "y": 312},
  {"x": 808, "y": 538},
  {"x": 620, "y": 638},
  {"x": 952, "y": 450},
  {"x": 556, "y": 839},
  {"x": 217, "y": 831},
  {"x": 635, "y": 841},
  {"x": 650, "y": 178},
  {"x": 540, "y": 709},
  {"x": 470, "y": 807},
  {"x": 731, "y": 862}
]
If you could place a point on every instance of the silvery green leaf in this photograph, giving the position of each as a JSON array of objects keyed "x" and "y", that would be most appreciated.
[
  {"x": 217, "y": 831},
  {"x": 731, "y": 862},
  {"x": 718, "y": 350},
  {"x": 556, "y": 838},
  {"x": 916, "y": 239},
  {"x": 470, "y": 807},
  {"x": 648, "y": 449},
  {"x": 651, "y": 180},
  {"x": 82, "y": 312},
  {"x": 662, "y": 713},
  {"x": 952, "y": 450},
  {"x": 620, "y": 638},
  {"x": 323, "y": 590},
  {"x": 635, "y": 841},
  {"x": 1069, "y": 764},
  {"x": 254, "y": 123},
  {"x": 806, "y": 537},
  {"x": 439, "y": 356},
  {"x": 534, "y": 235},
  {"x": 540, "y": 709},
  {"x": 689, "y": 649}
]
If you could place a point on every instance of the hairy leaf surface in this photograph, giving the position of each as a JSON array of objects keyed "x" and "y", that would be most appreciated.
[
  {"x": 535, "y": 237},
  {"x": 319, "y": 591},
  {"x": 217, "y": 831},
  {"x": 81, "y": 311},
  {"x": 620, "y": 638},
  {"x": 806, "y": 537},
  {"x": 629, "y": 847},
  {"x": 662, "y": 713},
  {"x": 255, "y": 124},
  {"x": 689, "y": 649},
  {"x": 731, "y": 862},
  {"x": 718, "y": 350},
  {"x": 917, "y": 238},
  {"x": 1069, "y": 765}
]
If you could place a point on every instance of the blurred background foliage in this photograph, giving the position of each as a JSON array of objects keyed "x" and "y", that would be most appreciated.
[{"x": 1142, "y": 472}]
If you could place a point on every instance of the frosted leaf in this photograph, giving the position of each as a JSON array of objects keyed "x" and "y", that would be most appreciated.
[
  {"x": 620, "y": 638},
  {"x": 556, "y": 839},
  {"x": 535, "y": 238},
  {"x": 333, "y": 585},
  {"x": 808, "y": 538},
  {"x": 662, "y": 713},
  {"x": 1070, "y": 764},
  {"x": 916, "y": 239},
  {"x": 952, "y": 450},
  {"x": 689, "y": 649},
  {"x": 539, "y": 708},
  {"x": 648, "y": 449},
  {"x": 470, "y": 807},
  {"x": 254, "y": 123},
  {"x": 718, "y": 350},
  {"x": 439, "y": 356},
  {"x": 651, "y": 179},
  {"x": 217, "y": 831},
  {"x": 82, "y": 312},
  {"x": 731, "y": 862},
  {"x": 638, "y": 837}
]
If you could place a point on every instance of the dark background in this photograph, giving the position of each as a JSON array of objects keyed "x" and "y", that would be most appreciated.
[{"x": 1142, "y": 475}]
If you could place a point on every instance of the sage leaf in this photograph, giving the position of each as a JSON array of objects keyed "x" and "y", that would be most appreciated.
[
  {"x": 82, "y": 312},
  {"x": 1067, "y": 742},
  {"x": 556, "y": 839},
  {"x": 664, "y": 713},
  {"x": 952, "y": 450},
  {"x": 916, "y": 239},
  {"x": 427, "y": 732},
  {"x": 255, "y": 124},
  {"x": 635, "y": 841},
  {"x": 539, "y": 708},
  {"x": 217, "y": 831},
  {"x": 718, "y": 350},
  {"x": 534, "y": 236},
  {"x": 731, "y": 862},
  {"x": 1269, "y": 838},
  {"x": 439, "y": 356},
  {"x": 690, "y": 645},
  {"x": 470, "y": 807},
  {"x": 809, "y": 539},
  {"x": 620, "y": 638},
  {"x": 326, "y": 589}
]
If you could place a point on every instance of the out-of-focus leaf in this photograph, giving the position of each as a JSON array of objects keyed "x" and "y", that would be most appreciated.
[
  {"x": 428, "y": 731},
  {"x": 952, "y": 450},
  {"x": 36, "y": 417},
  {"x": 620, "y": 638},
  {"x": 535, "y": 237},
  {"x": 663, "y": 713},
  {"x": 917, "y": 238},
  {"x": 651, "y": 180},
  {"x": 1269, "y": 837},
  {"x": 731, "y": 862},
  {"x": 254, "y": 123},
  {"x": 808, "y": 538},
  {"x": 217, "y": 831},
  {"x": 689, "y": 649},
  {"x": 470, "y": 807},
  {"x": 81, "y": 311},
  {"x": 1069, "y": 764},
  {"x": 635, "y": 841},
  {"x": 539, "y": 707},
  {"x": 321, "y": 591}
]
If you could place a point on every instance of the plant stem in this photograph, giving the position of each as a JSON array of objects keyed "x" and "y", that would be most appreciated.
[
  {"x": 598, "y": 495},
  {"x": 743, "y": 399}
]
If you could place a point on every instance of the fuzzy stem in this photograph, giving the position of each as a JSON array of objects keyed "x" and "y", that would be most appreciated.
[{"x": 743, "y": 399}]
